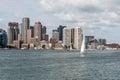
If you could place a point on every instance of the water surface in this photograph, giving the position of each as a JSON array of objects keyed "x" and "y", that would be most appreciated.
[{"x": 59, "y": 65}]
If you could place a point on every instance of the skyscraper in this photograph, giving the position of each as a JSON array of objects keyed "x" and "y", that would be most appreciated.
[
  {"x": 25, "y": 26},
  {"x": 101, "y": 41},
  {"x": 55, "y": 35},
  {"x": 38, "y": 31},
  {"x": 60, "y": 30},
  {"x": 13, "y": 32},
  {"x": 29, "y": 35},
  {"x": 78, "y": 37},
  {"x": 32, "y": 31},
  {"x": 88, "y": 41},
  {"x": 3, "y": 38},
  {"x": 44, "y": 33},
  {"x": 67, "y": 37},
  {"x": 44, "y": 30}
]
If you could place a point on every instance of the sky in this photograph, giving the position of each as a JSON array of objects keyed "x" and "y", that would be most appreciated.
[{"x": 100, "y": 18}]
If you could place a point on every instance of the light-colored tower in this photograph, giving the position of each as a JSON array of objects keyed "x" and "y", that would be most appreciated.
[
  {"x": 10, "y": 39},
  {"x": 13, "y": 32},
  {"x": 78, "y": 36},
  {"x": 55, "y": 35},
  {"x": 38, "y": 31},
  {"x": 25, "y": 26},
  {"x": 29, "y": 35},
  {"x": 67, "y": 37}
]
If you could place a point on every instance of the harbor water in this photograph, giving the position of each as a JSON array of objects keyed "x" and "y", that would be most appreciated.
[{"x": 59, "y": 65}]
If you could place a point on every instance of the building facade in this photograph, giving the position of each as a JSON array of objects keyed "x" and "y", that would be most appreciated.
[
  {"x": 78, "y": 37},
  {"x": 13, "y": 31},
  {"x": 38, "y": 31},
  {"x": 67, "y": 37},
  {"x": 101, "y": 41},
  {"x": 25, "y": 26},
  {"x": 29, "y": 35},
  {"x": 60, "y": 30},
  {"x": 3, "y": 38},
  {"x": 55, "y": 35},
  {"x": 32, "y": 31},
  {"x": 88, "y": 41}
]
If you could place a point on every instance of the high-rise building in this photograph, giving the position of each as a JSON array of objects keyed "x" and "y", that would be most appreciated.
[
  {"x": 13, "y": 32},
  {"x": 44, "y": 30},
  {"x": 3, "y": 38},
  {"x": 67, "y": 37},
  {"x": 55, "y": 35},
  {"x": 19, "y": 37},
  {"x": 78, "y": 37},
  {"x": 32, "y": 31},
  {"x": 88, "y": 41},
  {"x": 45, "y": 37},
  {"x": 38, "y": 31},
  {"x": 60, "y": 30},
  {"x": 101, "y": 41},
  {"x": 25, "y": 26},
  {"x": 29, "y": 35}
]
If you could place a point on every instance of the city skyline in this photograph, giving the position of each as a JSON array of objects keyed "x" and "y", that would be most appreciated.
[{"x": 100, "y": 18}]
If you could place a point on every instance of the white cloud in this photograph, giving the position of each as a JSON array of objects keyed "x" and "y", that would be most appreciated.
[
  {"x": 65, "y": 16},
  {"x": 114, "y": 15},
  {"x": 48, "y": 5},
  {"x": 1, "y": 19}
]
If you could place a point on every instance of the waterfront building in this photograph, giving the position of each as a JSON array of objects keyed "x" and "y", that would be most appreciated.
[
  {"x": 67, "y": 37},
  {"x": 112, "y": 46},
  {"x": 13, "y": 31},
  {"x": 17, "y": 44},
  {"x": 44, "y": 30},
  {"x": 53, "y": 42},
  {"x": 78, "y": 37},
  {"x": 94, "y": 44},
  {"x": 19, "y": 37},
  {"x": 38, "y": 31},
  {"x": 45, "y": 37},
  {"x": 3, "y": 38},
  {"x": 88, "y": 41},
  {"x": 101, "y": 41},
  {"x": 32, "y": 31},
  {"x": 58, "y": 46},
  {"x": 55, "y": 35},
  {"x": 25, "y": 26},
  {"x": 29, "y": 35},
  {"x": 60, "y": 30}
]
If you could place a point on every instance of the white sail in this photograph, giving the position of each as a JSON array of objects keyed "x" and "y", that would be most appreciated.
[
  {"x": 82, "y": 51},
  {"x": 83, "y": 46}
]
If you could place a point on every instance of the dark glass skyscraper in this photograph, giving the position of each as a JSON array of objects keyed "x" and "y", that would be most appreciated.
[
  {"x": 3, "y": 38},
  {"x": 60, "y": 30}
]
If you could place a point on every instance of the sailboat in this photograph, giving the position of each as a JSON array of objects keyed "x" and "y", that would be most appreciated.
[{"x": 82, "y": 50}]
